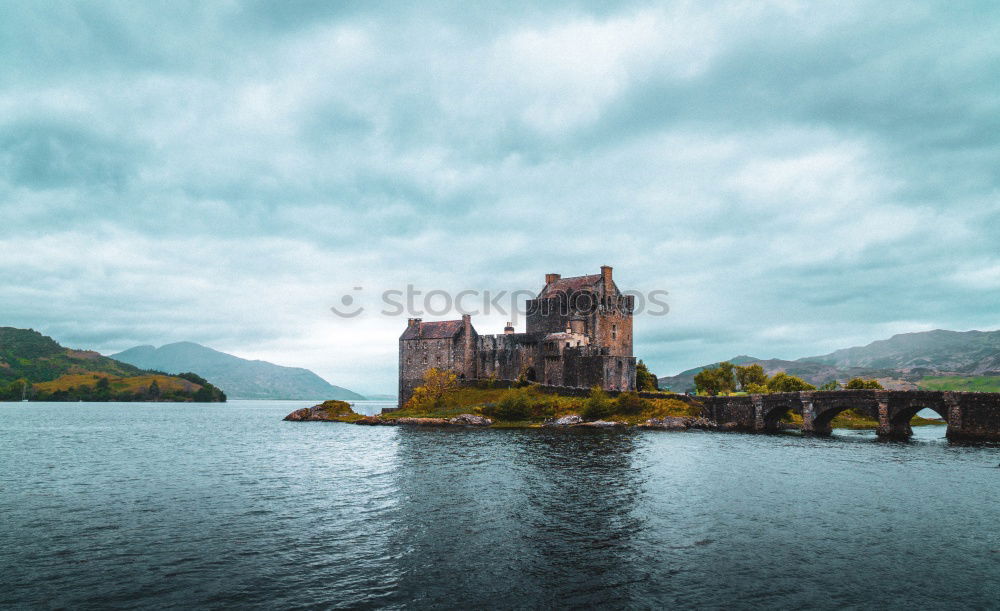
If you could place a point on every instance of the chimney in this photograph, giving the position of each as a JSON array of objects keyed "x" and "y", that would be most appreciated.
[
  {"x": 509, "y": 328},
  {"x": 413, "y": 322},
  {"x": 550, "y": 278},
  {"x": 468, "y": 358},
  {"x": 606, "y": 280}
]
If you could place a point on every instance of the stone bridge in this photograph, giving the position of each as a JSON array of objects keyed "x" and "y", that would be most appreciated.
[{"x": 970, "y": 415}]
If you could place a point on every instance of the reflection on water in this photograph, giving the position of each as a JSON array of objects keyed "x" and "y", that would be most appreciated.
[{"x": 220, "y": 506}]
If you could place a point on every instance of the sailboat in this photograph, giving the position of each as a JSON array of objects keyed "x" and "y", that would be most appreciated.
[{"x": 24, "y": 392}]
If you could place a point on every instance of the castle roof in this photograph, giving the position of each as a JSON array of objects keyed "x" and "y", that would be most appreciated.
[
  {"x": 569, "y": 285},
  {"x": 440, "y": 329}
]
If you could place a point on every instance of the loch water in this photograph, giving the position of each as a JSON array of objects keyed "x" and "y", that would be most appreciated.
[{"x": 227, "y": 506}]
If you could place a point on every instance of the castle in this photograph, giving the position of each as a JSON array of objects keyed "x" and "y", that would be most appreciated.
[{"x": 579, "y": 333}]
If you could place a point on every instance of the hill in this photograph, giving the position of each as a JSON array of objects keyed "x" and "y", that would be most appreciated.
[
  {"x": 39, "y": 368},
  {"x": 968, "y": 353},
  {"x": 239, "y": 378},
  {"x": 939, "y": 360}
]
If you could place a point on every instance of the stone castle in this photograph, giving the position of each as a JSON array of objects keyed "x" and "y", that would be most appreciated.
[{"x": 579, "y": 334}]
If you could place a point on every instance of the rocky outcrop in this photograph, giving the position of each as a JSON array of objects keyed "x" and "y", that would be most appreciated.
[
  {"x": 602, "y": 424},
  {"x": 328, "y": 411},
  {"x": 570, "y": 420},
  {"x": 666, "y": 424},
  {"x": 680, "y": 424},
  {"x": 471, "y": 420}
]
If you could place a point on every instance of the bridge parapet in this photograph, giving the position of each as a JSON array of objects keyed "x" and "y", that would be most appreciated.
[{"x": 968, "y": 415}]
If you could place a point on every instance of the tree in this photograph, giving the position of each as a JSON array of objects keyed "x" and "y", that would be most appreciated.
[
  {"x": 437, "y": 383},
  {"x": 102, "y": 390},
  {"x": 716, "y": 380},
  {"x": 831, "y": 385},
  {"x": 750, "y": 374},
  {"x": 154, "y": 391},
  {"x": 644, "y": 379},
  {"x": 862, "y": 384},
  {"x": 782, "y": 382}
]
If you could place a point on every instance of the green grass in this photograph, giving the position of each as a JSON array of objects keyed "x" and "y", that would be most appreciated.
[
  {"x": 542, "y": 406},
  {"x": 970, "y": 383}
]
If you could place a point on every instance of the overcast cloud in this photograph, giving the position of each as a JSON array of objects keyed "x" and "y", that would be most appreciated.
[{"x": 800, "y": 176}]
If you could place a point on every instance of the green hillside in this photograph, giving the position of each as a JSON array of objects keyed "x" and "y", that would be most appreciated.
[
  {"x": 970, "y": 384},
  {"x": 36, "y": 366}
]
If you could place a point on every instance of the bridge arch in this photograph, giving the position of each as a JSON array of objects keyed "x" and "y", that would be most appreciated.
[
  {"x": 826, "y": 408},
  {"x": 900, "y": 409},
  {"x": 773, "y": 408}
]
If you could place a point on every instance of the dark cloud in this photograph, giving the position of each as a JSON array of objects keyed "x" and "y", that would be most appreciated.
[{"x": 799, "y": 177}]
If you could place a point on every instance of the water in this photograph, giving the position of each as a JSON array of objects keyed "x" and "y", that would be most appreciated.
[{"x": 220, "y": 506}]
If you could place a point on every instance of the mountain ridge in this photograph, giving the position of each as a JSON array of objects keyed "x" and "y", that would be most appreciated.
[
  {"x": 899, "y": 362},
  {"x": 35, "y": 366},
  {"x": 240, "y": 378}
]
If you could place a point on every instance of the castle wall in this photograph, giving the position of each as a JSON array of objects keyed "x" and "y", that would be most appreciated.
[{"x": 505, "y": 356}]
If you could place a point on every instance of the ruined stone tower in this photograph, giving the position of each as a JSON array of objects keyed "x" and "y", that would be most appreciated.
[{"x": 579, "y": 334}]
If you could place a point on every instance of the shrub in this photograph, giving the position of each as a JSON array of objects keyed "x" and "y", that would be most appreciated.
[
  {"x": 597, "y": 406},
  {"x": 513, "y": 405},
  {"x": 862, "y": 384},
  {"x": 630, "y": 404},
  {"x": 782, "y": 382}
]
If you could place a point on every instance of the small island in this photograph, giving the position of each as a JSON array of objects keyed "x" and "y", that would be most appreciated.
[{"x": 442, "y": 400}]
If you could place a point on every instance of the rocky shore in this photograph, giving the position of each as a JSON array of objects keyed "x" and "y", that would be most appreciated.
[{"x": 340, "y": 411}]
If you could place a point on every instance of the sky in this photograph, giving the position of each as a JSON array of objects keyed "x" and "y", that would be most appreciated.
[{"x": 798, "y": 176}]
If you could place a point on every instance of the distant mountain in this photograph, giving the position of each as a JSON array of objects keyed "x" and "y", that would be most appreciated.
[
  {"x": 969, "y": 352},
  {"x": 899, "y": 362},
  {"x": 239, "y": 378},
  {"x": 36, "y": 367}
]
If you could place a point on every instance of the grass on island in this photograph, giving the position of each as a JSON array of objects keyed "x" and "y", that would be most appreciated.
[
  {"x": 339, "y": 411},
  {"x": 969, "y": 384},
  {"x": 530, "y": 406}
]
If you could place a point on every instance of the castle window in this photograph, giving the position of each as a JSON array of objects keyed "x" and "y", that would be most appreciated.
[
  {"x": 567, "y": 344},
  {"x": 614, "y": 331}
]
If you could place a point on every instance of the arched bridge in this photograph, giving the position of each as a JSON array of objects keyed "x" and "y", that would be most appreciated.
[{"x": 970, "y": 415}]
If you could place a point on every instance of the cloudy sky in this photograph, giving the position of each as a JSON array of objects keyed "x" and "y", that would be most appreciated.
[{"x": 800, "y": 177}]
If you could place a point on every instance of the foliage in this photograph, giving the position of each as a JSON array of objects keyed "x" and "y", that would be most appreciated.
[
  {"x": 522, "y": 378},
  {"x": 757, "y": 389},
  {"x": 630, "y": 404},
  {"x": 782, "y": 382},
  {"x": 831, "y": 385},
  {"x": 644, "y": 379},
  {"x": 862, "y": 384},
  {"x": 716, "y": 380},
  {"x": 750, "y": 374},
  {"x": 430, "y": 394},
  {"x": 597, "y": 406}
]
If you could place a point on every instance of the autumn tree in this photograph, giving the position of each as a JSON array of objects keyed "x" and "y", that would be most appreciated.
[{"x": 437, "y": 383}]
